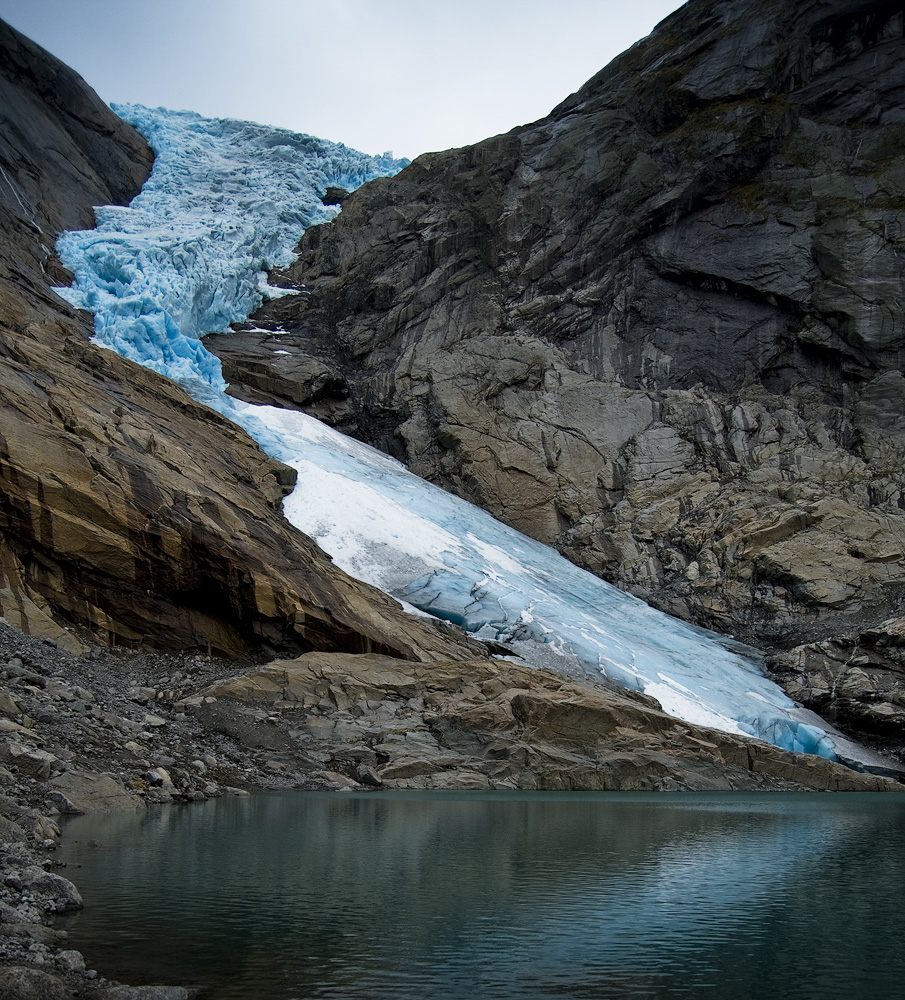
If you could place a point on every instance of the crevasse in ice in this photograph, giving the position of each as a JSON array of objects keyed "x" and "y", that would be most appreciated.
[{"x": 227, "y": 200}]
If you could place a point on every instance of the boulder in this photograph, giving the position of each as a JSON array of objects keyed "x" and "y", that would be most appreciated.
[
  {"x": 53, "y": 892},
  {"x": 24, "y": 823},
  {"x": 22, "y": 983},
  {"x": 27, "y": 760},
  {"x": 11, "y": 832},
  {"x": 91, "y": 793}
]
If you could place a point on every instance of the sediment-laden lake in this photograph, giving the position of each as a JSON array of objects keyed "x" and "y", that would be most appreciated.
[{"x": 465, "y": 896}]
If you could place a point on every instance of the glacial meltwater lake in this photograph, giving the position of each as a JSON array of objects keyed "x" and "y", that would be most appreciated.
[{"x": 471, "y": 895}]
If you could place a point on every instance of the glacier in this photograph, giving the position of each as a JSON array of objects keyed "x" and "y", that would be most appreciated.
[{"x": 226, "y": 201}]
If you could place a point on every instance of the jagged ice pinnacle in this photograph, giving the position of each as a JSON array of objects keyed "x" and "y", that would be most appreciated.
[{"x": 226, "y": 201}]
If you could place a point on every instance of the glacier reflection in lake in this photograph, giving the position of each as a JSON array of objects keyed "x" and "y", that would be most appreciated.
[{"x": 408, "y": 896}]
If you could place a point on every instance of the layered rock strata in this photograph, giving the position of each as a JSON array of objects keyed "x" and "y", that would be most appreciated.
[
  {"x": 376, "y": 721},
  {"x": 660, "y": 329}
]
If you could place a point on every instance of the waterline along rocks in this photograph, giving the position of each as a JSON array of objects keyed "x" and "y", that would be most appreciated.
[
  {"x": 118, "y": 731},
  {"x": 659, "y": 329}
]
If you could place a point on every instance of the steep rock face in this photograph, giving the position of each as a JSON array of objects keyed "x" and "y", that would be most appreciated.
[
  {"x": 62, "y": 151},
  {"x": 128, "y": 512},
  {"x": 856, "y": 681},
  {"x": 660, "y": 329}
]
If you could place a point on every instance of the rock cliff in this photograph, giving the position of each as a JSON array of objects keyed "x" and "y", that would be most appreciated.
[
  {"x": 855, "y": 680},
  {"x": 660, "y": 329},
  {"x": 130, "y": 514}
]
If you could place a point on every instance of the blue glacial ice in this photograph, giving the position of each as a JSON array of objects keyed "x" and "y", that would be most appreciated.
[
  {"x": 226, "y": 201},
  {"x": 432, "y": 550}
]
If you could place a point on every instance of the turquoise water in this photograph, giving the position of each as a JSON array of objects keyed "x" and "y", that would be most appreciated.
[{"x": 409, "y": 896}]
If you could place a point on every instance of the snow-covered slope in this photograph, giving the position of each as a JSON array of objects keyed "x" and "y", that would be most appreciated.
[{"x": 226, "y": 201}]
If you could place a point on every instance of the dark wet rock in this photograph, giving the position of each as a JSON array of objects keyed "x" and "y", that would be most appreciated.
[
  {"x": 335, "y": 196},
  {"x": 857, "y": 681},
  {"x": 23, "y": 983},
  {"x": 62, "y": 151},
  {"x": 661, "y": 328}
]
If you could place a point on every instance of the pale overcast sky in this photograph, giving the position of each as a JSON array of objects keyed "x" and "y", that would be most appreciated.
[{"x": 406, "y": 75}]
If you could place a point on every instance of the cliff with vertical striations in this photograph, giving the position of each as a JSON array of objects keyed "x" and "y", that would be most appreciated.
[{"x": 660, "y": 329}]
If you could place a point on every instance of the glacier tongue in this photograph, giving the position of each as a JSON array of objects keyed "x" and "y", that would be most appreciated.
[
  {"x": 443, "y": 555},
  {"x": 226, "y": 201}
]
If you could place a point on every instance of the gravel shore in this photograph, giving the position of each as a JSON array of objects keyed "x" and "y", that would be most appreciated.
[
  {"x": 113, "y": 731},
  {"x": 104, "y": 731}
]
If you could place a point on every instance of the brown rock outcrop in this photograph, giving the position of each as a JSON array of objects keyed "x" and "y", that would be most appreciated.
[
  {"x": 660, "y": 329},
  {"x": 128, "y": 512},
  {"x": 380, "y": 721}
]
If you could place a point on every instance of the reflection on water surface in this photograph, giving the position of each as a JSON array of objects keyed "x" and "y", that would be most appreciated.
[{"x": 409, "y": 896}]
